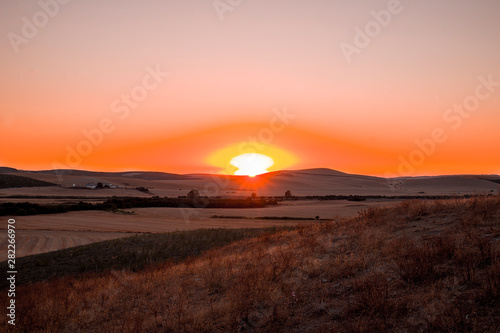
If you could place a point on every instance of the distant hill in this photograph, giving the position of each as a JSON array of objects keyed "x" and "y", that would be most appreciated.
[
  {"x": 494, "y": 179},
  {"x": 315, "y": 172},
  {"x": 145, "y": 175},
  {"x": 317, "y": 181},
  {"x": 7, "y": 170},
  {"x": 7, "y": 181}
]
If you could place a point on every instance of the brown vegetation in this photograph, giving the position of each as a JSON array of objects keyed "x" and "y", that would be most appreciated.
[
  {"x": 420, "y": 266},
  {"x": 132, "y": 253}
]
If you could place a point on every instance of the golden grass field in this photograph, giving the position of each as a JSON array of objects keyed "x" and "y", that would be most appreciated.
[
  {"x": 346, "y": 266},
  {"x": 51, "y": 232},
  {"x": 39, "y": 241},
  {"x": 419, "y": 266},
  {"x": 104, "y": 225}
]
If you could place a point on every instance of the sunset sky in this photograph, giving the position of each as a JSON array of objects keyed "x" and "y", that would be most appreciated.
[{"x": 369, "y": 87}]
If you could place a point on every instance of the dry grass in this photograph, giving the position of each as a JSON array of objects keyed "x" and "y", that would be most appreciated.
[{"x": 419, "y": 267}]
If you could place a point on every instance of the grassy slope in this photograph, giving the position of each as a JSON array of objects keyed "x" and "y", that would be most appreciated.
[
  {"x": 132, "y": 253},
  {"x": 421, "y": 266}
]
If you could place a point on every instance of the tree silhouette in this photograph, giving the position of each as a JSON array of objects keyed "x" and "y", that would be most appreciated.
[
  {"x": 288, "y": 194},
  {"x": 193, "y": 194}
]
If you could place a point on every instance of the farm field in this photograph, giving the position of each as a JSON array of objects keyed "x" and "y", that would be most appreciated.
[
  {"x": 30, "y": 242},
  {"x": 418, "y": 266},
  {"x": 51, "y": 232}
]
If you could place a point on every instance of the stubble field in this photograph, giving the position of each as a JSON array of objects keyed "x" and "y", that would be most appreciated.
[{"x": 52, "y": 232}]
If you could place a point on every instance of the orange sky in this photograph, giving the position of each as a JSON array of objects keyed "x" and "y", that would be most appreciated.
[{"x": 89, "y": 89}]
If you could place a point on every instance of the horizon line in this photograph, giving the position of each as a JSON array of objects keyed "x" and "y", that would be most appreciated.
[{"x": 270, "y": 172}]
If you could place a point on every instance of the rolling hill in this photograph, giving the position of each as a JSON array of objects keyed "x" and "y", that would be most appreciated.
[
  {"x": 307, "y": 182},
  {"x": 8, "y": 181}
]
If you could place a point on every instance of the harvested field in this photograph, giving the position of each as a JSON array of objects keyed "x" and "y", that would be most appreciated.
[
  {"x": 30, "y": 242},
  {"x": 51, "y": 232},
  {"x": 420, "y": 266}
]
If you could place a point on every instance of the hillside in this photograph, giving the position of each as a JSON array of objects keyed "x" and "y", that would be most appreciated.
[
  {"x": 420, "y": 266},
  {"x": 7, "y": 170},
  {"x": 129, "y": 252},
  {"x": 8, "y": 181},
  {"x": 146, "y": 175},
  {"x": 320, "y": 181}
]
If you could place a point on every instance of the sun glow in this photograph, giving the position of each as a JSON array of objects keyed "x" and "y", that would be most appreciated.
[
  {"x": 251, "y": 164},
  {"x": 245, "y": 159}
]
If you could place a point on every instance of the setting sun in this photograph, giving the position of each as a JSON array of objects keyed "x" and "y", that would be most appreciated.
[
  {"x": 251, "y": 164},
  {"x": 244, "y": 158}
]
